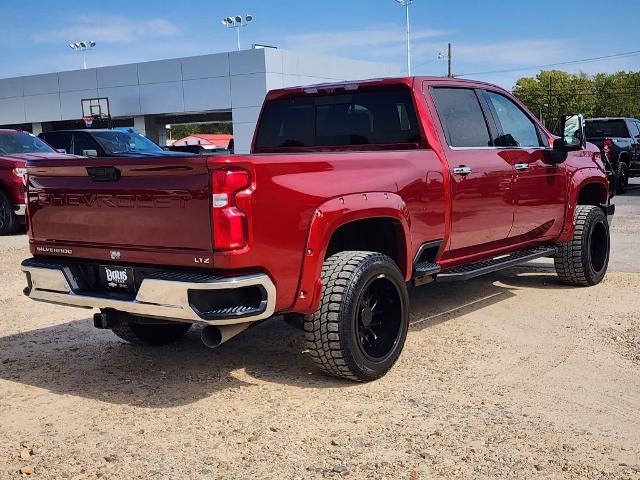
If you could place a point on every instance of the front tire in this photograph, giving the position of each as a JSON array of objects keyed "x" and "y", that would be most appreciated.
[
  {"x": 9, "y": 222},
  {"x": 360, "y": 328},
  {"x": 155, "y": 335},
  {"x": 583, "y": 261}
]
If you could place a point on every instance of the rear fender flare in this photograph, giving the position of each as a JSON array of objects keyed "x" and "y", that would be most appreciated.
[
  {"x": 578, "y": 181},
  {"x": 327, "y": 218}
]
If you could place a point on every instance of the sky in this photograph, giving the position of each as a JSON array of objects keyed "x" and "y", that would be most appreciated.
[{"x": 486, "y": 36}]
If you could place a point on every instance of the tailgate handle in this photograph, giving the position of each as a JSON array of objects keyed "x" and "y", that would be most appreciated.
[{"x": 104, "y": 174}]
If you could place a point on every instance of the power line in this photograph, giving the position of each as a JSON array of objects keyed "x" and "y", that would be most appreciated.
[
  {"x": 571, "y": 62},
  {"x": 571, "y": 91}
]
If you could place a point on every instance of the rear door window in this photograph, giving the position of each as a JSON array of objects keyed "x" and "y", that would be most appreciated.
[
  {"x": 461, "y": 116},
  {"x": 58, "y": 140},
  {"x": 518, "y": 130},
  {"x": 606, "y": 128},
  {"x": 82, "y": 142},
  {"x": 373, "y": 117},
  {"x": 634, "y": 129}
]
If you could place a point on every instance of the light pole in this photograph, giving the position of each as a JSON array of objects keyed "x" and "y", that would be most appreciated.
[
  {"x": 82, "y": 47},
  {"x": 237, "y": 22},
  {"x": 406, "y": 4}
]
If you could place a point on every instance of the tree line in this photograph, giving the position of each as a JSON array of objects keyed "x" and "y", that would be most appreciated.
[{"x": 553, "y": 93}]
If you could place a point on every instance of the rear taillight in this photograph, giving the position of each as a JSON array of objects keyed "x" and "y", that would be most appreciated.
[
  {"x": 606, "y": 146},
  {"x": 21, "y": 173},
  {"x": 229, "y": 222}
]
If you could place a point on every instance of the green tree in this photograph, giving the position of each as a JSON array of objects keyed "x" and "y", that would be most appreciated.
[{"x": 552, "y": 93}]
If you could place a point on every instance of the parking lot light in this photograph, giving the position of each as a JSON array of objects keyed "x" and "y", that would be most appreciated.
[
  {"x": 406, "y": 4},
  {"x": 236, "y": 22},
  {"x": 83, "y": 47}
]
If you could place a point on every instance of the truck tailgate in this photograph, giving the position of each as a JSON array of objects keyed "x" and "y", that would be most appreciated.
[{"x": 153, "y": 204}]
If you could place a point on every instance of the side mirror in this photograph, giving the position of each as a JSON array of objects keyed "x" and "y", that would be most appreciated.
[
  {"x": 89, "y": 153},
  {"x": 573, "y": 138},
  {"x": 61, "y": 150}
]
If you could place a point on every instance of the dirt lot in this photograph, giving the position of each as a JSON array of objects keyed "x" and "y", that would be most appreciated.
[{"x": 511, "y": 375}]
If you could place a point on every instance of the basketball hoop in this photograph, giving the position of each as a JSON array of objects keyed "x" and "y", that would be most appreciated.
[{"x": 95, "y": 109}]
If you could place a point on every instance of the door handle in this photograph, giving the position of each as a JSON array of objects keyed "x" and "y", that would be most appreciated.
[
  {"x": 462, "y": 170},
  {"x": 521, "y": 166}
]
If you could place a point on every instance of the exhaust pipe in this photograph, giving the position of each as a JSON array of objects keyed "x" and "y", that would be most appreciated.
[{"x": 215, "y": 335}]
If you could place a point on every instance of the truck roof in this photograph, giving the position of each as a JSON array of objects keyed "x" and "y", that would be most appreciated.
[
  {"x": 375, "y": 82},
  {"x": 89, "y": 130},
  {"x": 609, "y": 118}
]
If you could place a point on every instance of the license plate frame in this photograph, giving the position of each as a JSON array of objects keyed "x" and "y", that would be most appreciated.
[{"x": 115, "y": 278}]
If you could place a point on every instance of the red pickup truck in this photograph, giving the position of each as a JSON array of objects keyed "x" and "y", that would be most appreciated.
[
  {"x": 352, "y": 193},
  {"x": 16, "y": 147}
]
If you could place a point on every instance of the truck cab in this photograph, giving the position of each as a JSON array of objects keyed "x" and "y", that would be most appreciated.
[{"x": 105, "y": 143}]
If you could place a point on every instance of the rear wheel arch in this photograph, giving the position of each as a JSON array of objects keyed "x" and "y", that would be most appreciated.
[
  {"x": 374, "y": 234},
  {"x": 335, "y": 226}
]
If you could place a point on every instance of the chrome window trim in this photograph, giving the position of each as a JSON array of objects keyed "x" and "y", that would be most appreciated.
[{"x": 540, "y": 147}]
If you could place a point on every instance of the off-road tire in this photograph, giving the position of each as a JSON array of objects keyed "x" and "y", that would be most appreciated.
[
  {"x": 9, "y": 222},
  {"x": 150, "y": 334},
  {"x": 583, "y": 261},
  {"x": 331, "y": 333},
  {"x": 623, "y": 178}
]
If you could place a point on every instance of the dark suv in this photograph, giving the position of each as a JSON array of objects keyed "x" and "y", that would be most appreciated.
[
  {"x": 619, "y": 141},
  {"x": 105, "y": 143}
]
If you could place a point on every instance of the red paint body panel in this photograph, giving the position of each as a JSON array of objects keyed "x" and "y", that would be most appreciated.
[{"x": 298, "y": 199}]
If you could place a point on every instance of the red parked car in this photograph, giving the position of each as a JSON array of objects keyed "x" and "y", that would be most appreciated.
[
  {"x": 16, "y": 147},
  {"x": 352, "y": 193}
]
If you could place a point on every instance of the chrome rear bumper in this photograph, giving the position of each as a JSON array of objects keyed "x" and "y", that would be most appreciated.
[{"x": 166, "y": 298}]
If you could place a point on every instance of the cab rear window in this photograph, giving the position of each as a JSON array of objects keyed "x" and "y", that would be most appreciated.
[
  {"x": 372, "y": 117},
  {"x": 606, "y": 128}
]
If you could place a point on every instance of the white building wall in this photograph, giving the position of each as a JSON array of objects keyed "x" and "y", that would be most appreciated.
[{"x": 233, "y": 81}]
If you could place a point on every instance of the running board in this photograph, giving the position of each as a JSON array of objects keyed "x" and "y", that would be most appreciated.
[{"x": 465, "y": 272}]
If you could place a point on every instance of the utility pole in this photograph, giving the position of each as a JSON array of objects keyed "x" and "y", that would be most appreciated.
[
  {"x": 549, "y": 103},
  {"x": 442, "y": 56}
]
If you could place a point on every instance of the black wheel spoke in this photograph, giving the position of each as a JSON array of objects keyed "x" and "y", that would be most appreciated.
[
  {"x": 378, "y": 318},
  {"x": 375, "y": 304}
]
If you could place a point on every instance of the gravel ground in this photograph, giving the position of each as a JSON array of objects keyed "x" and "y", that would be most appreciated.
[{"x": 510, "y": 376}]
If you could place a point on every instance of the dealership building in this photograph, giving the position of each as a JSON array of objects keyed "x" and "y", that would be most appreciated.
[{"x": 221, "y": 87}]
